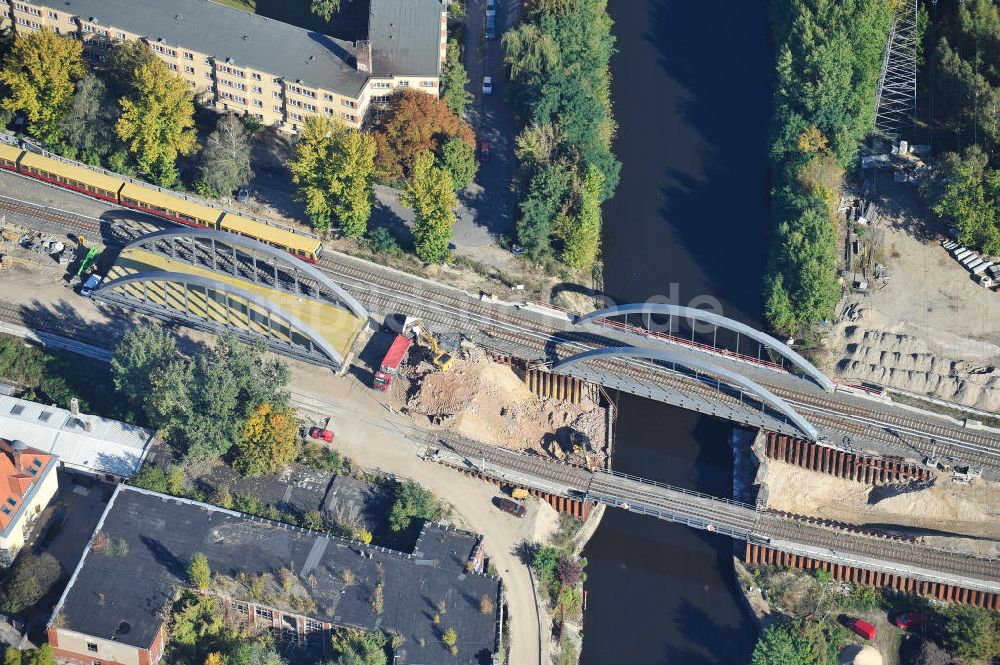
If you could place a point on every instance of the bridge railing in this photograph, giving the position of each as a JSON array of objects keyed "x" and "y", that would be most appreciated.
[
  {"x": 705, "y": 524},
  {"x": 673, "y": 488}
]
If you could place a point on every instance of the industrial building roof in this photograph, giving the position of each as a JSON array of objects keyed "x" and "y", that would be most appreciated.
[
  {"x": 122, "y": 597},
  {"x": 225, "y": 32},
  {"x": 405, "y": 37},
  {"x": 108, "y": 447}
]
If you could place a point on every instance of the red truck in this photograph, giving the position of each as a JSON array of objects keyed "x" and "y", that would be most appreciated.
[{"x": 390, "y": 363}]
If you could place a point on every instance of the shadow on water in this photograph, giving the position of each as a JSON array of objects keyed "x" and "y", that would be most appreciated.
[{"x": 691, "y": 88}]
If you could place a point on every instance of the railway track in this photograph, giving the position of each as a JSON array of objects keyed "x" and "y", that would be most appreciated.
[{"x": 388, "y": 290}]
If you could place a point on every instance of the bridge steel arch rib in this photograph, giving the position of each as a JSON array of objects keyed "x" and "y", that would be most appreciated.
[
  {"x": 349, "y": 301},
  {"x": 230, "y": 290},
  {"x": 716, "y": 319},
  {"x": 746, "y": 384}
]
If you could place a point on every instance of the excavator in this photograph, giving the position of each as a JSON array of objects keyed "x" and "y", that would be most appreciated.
[{"x": 439, "y": 357}]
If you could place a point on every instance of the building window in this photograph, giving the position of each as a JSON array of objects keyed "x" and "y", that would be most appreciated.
[
  {"x": 295, "y": 116},
  {"x": 264, "y": 613},
  {"x": 92, "y": 647},
  {"x": 257, "y": 89},
  {"x": 329, "y": 111},
  {"x": 53, "y": 15},
  {"x": 380, "y": 85},
  {"x": 350, "y": 104},
  {"x": 405, "y": 84},
  {"x": 259, "y": 104},
  {"x": 188, "y": 69},
  {"x": 208, "y": 75},
  {"x": 188, "y": 56},
  {"x": 350, "y": 118},
  {"x": 171, "y": 66},
  {"x": 313, "y": 626},
  {"x": 102, "y": 32},
  {"x": 327, "y": 97},
  {"x": 277, "y": 109},
  {"x": 121, "y": 36},
  {"x": 242, "y": 608},
  {"x": 309, "y": 107},
  {"x": 294, "y": 88},
  {"x": 427, "y": 84},
  {"x": 88, "y": 28},
  {"x": 255, "y": 76}
]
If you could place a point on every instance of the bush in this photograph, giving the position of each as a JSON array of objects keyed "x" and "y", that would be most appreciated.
[
  {"x": 199, "y": 574},
  {"x": 320, "y": 458},
  {"x": 862, "y": 598},
  {"x": 382, "y": 241},
  {"x": 151, "y": 477},
  {"x": 971, "y": 632},
  {"x": 412, "y": 501},
  {"x": 30, "y": 579}
]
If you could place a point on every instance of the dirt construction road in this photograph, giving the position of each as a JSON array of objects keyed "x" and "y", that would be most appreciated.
[{"x": 376, "y": 438}]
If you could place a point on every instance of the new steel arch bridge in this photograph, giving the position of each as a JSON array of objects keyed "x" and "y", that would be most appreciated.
[{"x": 218, "y": 281}]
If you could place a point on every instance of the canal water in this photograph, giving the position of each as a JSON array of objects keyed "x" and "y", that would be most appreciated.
[{"x": 691, "y": 95}]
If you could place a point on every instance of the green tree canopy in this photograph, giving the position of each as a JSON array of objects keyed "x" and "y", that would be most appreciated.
[
  {"x": 966, "y": 191},
  {"x": 581, "y": 232},
  {"x": 40, "y": 72},
  {"x": 199, "y": 574},
  {"x": 972, "y": 632},
  {"x": 412, "y": 501},
  {"x": 784, "y": 644},
  {"x": 87, "y": 126},
  {"x": 454, "y": 78},
  {"x": 334, "y": 170},
  {"x": 157, "y": 121},
  {"x": 459, "y": 159},
  {"x": 31, "y": 578},
  {"x": 431, "y": 195}
]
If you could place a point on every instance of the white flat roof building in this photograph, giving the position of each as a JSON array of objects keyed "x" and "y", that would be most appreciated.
[{"x": 82, "y": 442}]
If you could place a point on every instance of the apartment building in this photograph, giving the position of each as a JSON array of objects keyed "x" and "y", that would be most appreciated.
[
  {"x": 244, "y": 63},
  {"x": 27, "y": 484}
]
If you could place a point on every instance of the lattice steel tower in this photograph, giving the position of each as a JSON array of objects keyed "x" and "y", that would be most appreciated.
[{"x": 896, "y": 104}]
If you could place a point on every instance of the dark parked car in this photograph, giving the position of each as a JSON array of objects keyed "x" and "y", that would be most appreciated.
[
  {"x": 491, "y": 27},
  {"x": 508, "y": 506},
  {"x": 910, "y": 620}
]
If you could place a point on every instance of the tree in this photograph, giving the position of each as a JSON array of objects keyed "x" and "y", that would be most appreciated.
[
  {"x": 30, "y": 579},
  {"x": 971, "y": 632},
  {"x": 43, "y": 655},
  {"x": 268, "y": 441},
  {"x": 782, "y": 645},
  {"x": 325, "y": 9},
  {"x": 12, "y": 656},
  {"x": 411, "y": 502},
  {"x": 197, "y": 620},
  {"x": 151, "y": 477},
  {"x": 355, "y": 647},
  {"x": 199, "y": 574},
  {"x": 334, "y": 170},
  {"x": 157, "y": 120},
  {"x": 414, "y": 123},
  {"x": 125, "y": 59},
  {"x": 459, "y": 159},
  {"x": 485, "y": 604},
  {"x": 142, "y": 353},
  {"x": 40, "y": 72},
  {"x": 431, "y": 195},
  {"x": 966, "y": 191},
  {"x": 545, "y": 200},
  {"x": 570, "y": 570},
  {"x": 581, "y": 236},
  {"x": 86, "y": 125},
  {"x": 454, "y": 78},
  {"x": 449, "y": 637},
  {"x": 225, "y": 161},
  {"x": 255, "y": 653}
]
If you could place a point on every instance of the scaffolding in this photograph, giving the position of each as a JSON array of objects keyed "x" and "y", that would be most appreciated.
[{"x": 896, "y": 101}]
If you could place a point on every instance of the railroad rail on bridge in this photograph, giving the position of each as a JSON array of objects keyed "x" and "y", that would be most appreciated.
[
  {"x": 218, "y": 281},
  {"x": 800, "y": 536}
]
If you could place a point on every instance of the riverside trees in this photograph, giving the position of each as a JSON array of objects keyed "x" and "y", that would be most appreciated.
[
  {"x": 558, "y": 58},
  {"x": 829, "y": 56}
]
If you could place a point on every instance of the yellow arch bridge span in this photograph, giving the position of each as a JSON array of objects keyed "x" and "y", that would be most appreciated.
[{"x": 216, "y": 281}]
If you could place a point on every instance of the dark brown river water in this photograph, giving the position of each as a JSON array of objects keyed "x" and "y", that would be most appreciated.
[{"x": 691, "y": 94}]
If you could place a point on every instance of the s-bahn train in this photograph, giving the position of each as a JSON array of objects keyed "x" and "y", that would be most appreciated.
[{"x": 117, "y": 190}]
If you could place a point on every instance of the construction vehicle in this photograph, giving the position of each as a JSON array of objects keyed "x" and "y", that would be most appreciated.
[
  {"x": 393, "y": 358},
  {"x": 439, "y": 357},
  {"x": 519, "y": 493}
]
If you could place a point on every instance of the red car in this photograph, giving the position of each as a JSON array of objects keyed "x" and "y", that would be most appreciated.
[
  {"x": 508, "y": 506},
  {"x": 910, "y": 620},
  {"x": 321, "y": 434},
  {"x": 484, "y": 151},
  {"x": 862, "y": 628}
]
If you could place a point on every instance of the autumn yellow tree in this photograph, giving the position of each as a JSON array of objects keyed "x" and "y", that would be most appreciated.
[
  {"x": 157, "y": 121},
  {"x": 41, "y": 71},
  {"x": 214, "y": 658},
  {"x": 268, "y": 441}
]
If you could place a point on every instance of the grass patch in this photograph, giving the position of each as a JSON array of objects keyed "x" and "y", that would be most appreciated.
[
  {"x": 55, "y": 378},
  {"x": 245, "y": 5}
]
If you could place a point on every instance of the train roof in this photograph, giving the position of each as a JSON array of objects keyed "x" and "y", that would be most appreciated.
[
  {"x": 171, "y": 201},
  {"x": 78, "y": 173},
  {"x": 268, "y": 233},
  {"x": 9, "y": 152}
]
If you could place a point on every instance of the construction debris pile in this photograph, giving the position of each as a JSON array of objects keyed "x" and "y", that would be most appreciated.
[{"x": 488, "y": 401}]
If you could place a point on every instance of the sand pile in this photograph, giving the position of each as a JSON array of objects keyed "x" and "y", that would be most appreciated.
[
  {"x": 905, "y": 362},
  {"x": 857, "y": 654},
  {"x": 941, "y": 510},
  {"x": 489, "y": 402}
]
